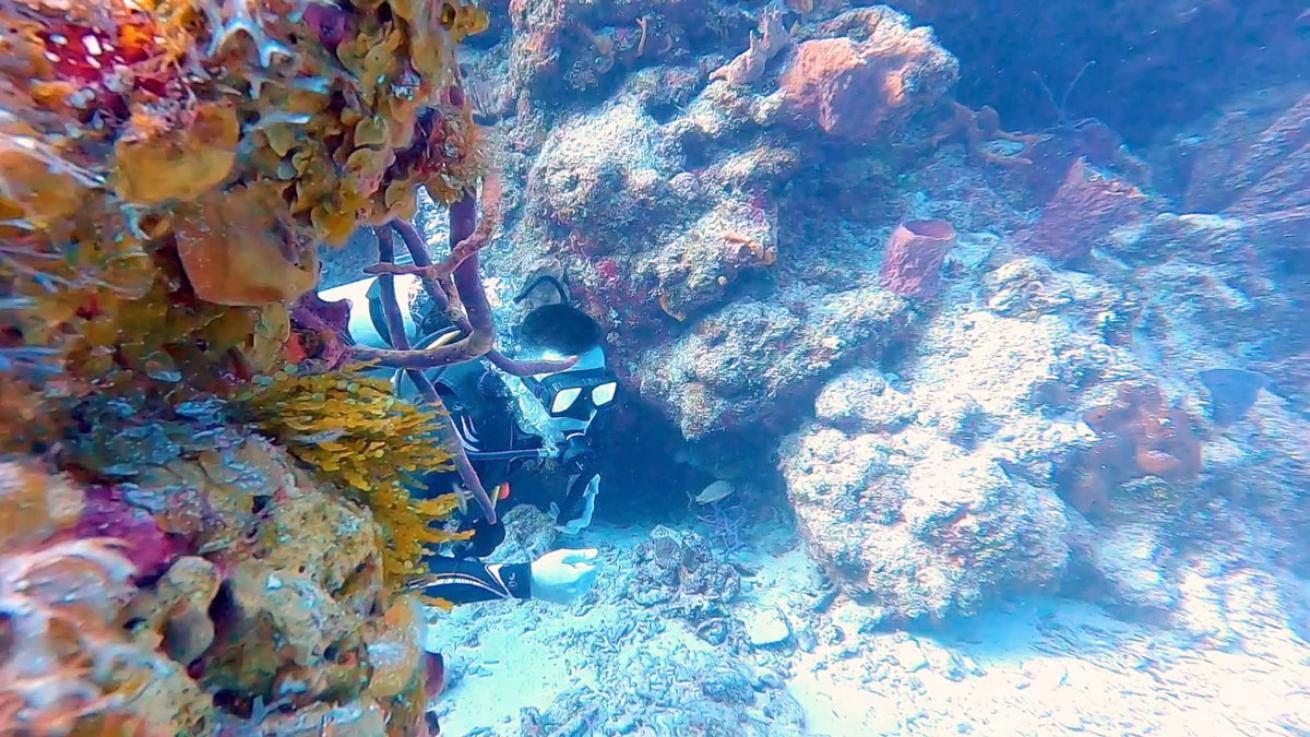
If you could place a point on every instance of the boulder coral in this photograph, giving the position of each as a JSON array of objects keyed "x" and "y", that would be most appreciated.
[{"x": 930, "y": 493}]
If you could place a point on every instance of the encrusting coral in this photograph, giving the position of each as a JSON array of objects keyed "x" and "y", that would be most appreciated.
[
  {"x": 207, "y": 528},
  {"x": 1138, "y": 436}
]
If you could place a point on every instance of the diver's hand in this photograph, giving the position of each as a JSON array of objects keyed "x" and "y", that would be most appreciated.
[
  {"x": 588, "y": 502},
  {"x": 563, "y": 575}
]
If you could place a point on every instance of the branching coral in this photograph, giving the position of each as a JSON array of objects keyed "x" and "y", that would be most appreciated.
[
  {"x": 440, "y": 293},
  {"x": 467, "y": 285},
  {"x": 352, "y": 430},
  {"x": 1139, "y": 436},
  {"x": 450, "y": 438},
  {"x": 980, "y": 127}
]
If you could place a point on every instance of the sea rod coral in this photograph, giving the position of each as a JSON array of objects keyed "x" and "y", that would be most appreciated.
[{"x": 207, "y": 529}]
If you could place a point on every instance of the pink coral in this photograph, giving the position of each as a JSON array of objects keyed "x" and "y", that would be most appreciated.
[
  {"x": 1083, "y": 212},
  {"x": 911, "y": 266},
  {"x": 149, "y": 548},
  {"x": 877, "y": 71}
]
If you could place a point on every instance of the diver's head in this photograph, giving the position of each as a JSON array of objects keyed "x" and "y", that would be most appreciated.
[{"x": 571, "y": 397}]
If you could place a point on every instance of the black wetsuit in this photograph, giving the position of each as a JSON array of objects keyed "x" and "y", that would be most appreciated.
[
  {"x": 465, "y": 580},
  {"x": 479, "y": 403}
]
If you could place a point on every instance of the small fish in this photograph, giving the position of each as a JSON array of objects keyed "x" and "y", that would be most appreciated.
[
  {"x": 1232, "y": 392},
  {"x": 715, "y": 492}
]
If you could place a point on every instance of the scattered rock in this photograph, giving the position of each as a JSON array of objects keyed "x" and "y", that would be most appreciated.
[{"x": 767, "y": 626}]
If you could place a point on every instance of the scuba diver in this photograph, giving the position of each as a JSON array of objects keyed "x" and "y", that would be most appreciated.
[{"x": 534, "y": 427}]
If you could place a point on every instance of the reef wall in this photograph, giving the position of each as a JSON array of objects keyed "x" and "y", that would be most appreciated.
[{"x": 206, "y": 524}]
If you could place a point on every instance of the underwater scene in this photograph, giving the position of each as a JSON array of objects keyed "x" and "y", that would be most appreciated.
[{"x": 661, "y": 368}]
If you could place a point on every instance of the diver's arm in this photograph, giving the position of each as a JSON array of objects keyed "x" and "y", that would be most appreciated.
[
  {"x": 464, "y": 581},
  {"x": 558, "y": 576}
]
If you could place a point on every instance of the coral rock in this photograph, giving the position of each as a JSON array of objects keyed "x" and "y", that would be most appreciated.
[
  {"x": 148, "y": 547},
  {"x": 746, "y": 362},
  {"x": 35, "y": 504},
  {"x": 749, "y": 66},
  {"x": 934, "y": 539},
  {"x": 236, "y": 253},
  {"x": 911, "y": 265},
  {"x": 70, "y": 653},
  {"x": 181, "y": 163},
  {"x": 1254, "y": 165}
]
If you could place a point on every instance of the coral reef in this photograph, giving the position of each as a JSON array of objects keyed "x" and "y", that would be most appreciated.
[
  {"x": 353, "y": 431},
  {"x": 207, "y": 523},
  {"x": 283, "y": 602},
  {"x": 980, "y": 129},
  {"x": 69, "y": 666},
  {"x": 742, "y": 365},
  {"x": 731, "y": 222}
]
